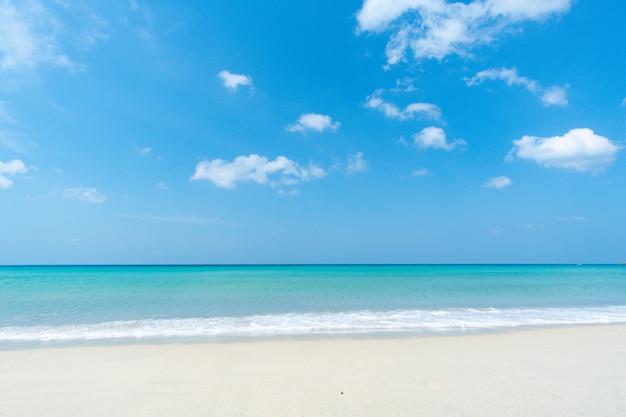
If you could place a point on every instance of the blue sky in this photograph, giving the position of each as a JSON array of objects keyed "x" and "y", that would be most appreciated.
[{"x": 407, "y": 131}]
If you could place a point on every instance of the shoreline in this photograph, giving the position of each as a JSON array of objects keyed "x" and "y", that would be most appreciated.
[
  {"x": 460, "y": 332},
  {"x": 557, "y": 371}
]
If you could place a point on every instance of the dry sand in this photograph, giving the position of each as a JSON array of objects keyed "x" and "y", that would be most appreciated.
[{"x": 574, "y": 371}]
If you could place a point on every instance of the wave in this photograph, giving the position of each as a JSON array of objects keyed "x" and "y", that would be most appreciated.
[{"x": 318, "y": 323}]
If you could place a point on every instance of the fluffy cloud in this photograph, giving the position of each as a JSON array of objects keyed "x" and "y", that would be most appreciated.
[
  {"x": 554, "y": 95},
  {"x": 579, "y": 150},
  {"x": 257, "y": 169},
  {"x": 356, "y": 163},
  {"x": 392, "y": 111},
  {"x": 313, "y": 121},
  {"x": 28, "y": 37},
  {"x": 436, "y": 28},
  {"x": 12, "y": 167},
  {"x": 498, "y": 182},
  {"x": 86, "y": 195},
  {"x": 233, "y": 81},
  {"x": 435, "y": 137}
]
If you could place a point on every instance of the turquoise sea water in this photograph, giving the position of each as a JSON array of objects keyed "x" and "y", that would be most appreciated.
[{"x": 74, "y": 303}]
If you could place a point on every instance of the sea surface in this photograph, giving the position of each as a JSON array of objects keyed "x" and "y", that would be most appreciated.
[{"x": 77, "y": 304}]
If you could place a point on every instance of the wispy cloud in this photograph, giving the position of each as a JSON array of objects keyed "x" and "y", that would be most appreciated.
[
  {"x": 436, "y": 28},
  {"x": 498, "y": 182},
  {"x": 579, "y": 150},
  {"x": 551, "y": 96},
  {"x": 412, "y": 110},
  {"x": 255, "y": 168},
  {"x": 86, "y": 195},
  {"x": 10, "y": 168},
  {"x": 180, "y": 219},
  {"x": 233, "y": 81},
  {"x": 313, "y": 121},
  {"x": 572, "y": 218},
  {"x": 6, "y": 117},
  {"x": 143, "y": 151},
  {"x": 163, "y": 186},
  {"x": 420, "y": 172},
  {"x": 9, "y": 137},
  {"x": 355, "y": 164},
  {"x": 29, "y": 38},
  {"x": 435, "y": 137}
]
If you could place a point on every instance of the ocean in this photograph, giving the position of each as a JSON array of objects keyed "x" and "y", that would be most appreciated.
[{"x": 43, "y": 305}]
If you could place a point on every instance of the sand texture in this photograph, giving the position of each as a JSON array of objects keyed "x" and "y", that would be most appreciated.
[{"x": 574, "y": 371}]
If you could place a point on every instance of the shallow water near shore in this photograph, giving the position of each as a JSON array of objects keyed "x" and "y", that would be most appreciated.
[{"x": 85, "y": 303}]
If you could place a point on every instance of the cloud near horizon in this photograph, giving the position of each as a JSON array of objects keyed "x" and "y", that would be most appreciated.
[
  {"x": 15, "y": 166},
  {"x": 554, "y": 95},
  {"x": 313, "y": 121},
  {"x": 257, "y": 169},
  {"x": 233, "y": 81},
  {"x": 578, "y": 150},
  {"x": 435, "y": 137},
  {"x": 436, "y": 28}
]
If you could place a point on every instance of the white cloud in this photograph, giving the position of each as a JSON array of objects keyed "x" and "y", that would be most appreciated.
[
  {"x": 554, "y": 95},
  {"x": 572, "y": 218},
  {"x": 579, "y": 150},
  {"x": 144, "y": 151},
  {"x": 356, "y": 163},
  {"x": 508, "y": 75},
  {"x": 392, "y": 111},
  {"x": 291, "y": 192},
  {"x": 28, "y": 37},
  {"x": 404, "y": 85},
  {"x": 12, "y": 167},
  {"x": 86, "y": 195},
  {"x": 313, "y": 121},
  {"x": 257, "y": 169},
  {"x": 498, "y": 182},
  {"x": 436, "y": 28},
  {"x": 420, "y": 172},
  {"x": 435, "y": 137},
  {"x": 233, "y": 81}
]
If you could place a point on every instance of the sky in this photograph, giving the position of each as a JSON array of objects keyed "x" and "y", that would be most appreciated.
[{"x": 312, "y": 131}]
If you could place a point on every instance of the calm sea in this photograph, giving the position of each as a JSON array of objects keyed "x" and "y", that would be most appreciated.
[{"x": 44, "y": 304}]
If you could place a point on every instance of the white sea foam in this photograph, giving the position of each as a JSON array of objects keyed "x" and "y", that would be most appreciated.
[{"x": 364, "y": 321}]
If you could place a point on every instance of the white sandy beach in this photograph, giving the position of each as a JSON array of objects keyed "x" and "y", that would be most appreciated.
[{"x": 575, "y": 371}]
